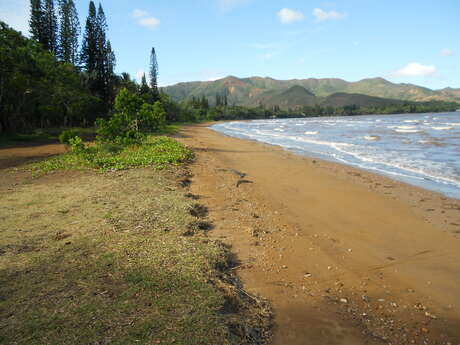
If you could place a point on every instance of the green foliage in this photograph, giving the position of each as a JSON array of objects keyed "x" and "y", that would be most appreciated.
[
  {"x": 127, "y": 103},
  {"x": 36, "y": 90},
  {"x": 131, "y": 120},
  {"x": 77, "y": 145},
  {"x": 153, "y": 151},
  {"x": 69, "y": 30},
  {"x": 154, "y": 75},
  {"x": 152, "y": 117},
  {"x": 65, "y": 136}
]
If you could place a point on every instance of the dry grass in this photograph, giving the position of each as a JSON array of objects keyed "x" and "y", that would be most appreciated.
[{"x": 91, "y": 258}]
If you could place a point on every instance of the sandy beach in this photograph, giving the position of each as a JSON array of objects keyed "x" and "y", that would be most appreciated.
[{"x": 343, "y": 255}]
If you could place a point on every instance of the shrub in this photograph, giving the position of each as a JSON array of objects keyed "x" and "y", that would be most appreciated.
[
  {"x": 65, "y": 136},
  {"x": 152, "y": 117},
  {"x": 132, "y": 119},
  {"x": 76, "y": 144}
]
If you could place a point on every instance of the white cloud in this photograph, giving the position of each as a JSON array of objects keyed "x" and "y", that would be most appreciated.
[
  {"x": 287, "y": 16},
  {"x": 150, "y": 22},
  {"x": 143, "y": 18},
  {"x": 15, "y": 13},
  {"x": 137, "y": 13},
  {"x": 447, "y": 52},
  {"x": 415, "y": 69},
  {"x": 322, "y": 15},
  {"x": 227, "y": 5}
]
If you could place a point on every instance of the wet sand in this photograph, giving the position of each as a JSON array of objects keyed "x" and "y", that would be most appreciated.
[{"x": 344, "y": 256}]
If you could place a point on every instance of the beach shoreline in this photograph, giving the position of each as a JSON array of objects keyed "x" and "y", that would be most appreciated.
[{"x": 349, "y": 246}]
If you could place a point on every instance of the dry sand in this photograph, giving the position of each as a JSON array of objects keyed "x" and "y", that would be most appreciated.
[{"x": 344, "y": 256}]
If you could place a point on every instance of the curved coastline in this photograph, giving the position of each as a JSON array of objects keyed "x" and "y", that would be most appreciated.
[{"x": 376, "y": 236}]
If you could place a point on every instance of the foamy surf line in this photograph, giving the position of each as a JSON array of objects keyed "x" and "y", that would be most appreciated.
[{"x": 374, "y": 149}]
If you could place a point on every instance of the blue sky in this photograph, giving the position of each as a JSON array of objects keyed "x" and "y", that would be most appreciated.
[{"x": 404, "y": 41}]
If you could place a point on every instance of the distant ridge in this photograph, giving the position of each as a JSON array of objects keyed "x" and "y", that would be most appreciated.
[{"x": 254, "y": 91}]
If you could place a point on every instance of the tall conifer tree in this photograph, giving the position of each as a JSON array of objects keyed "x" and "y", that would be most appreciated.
[
  {"x": 154, "y": 75},
  {"x": 88, "y": 54},
  {"x": 110, "y": 75},
  {"x": 69, "y": 32},
  {"x": 101, "y": 51},
  {"x": 49, "y": 24},
  {"x": 36, "y": 20}
]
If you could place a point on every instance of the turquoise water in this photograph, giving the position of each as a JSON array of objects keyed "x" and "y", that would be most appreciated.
[{"x": 420, "y": 149}]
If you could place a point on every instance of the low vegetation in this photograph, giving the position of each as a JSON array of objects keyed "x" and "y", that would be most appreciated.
[
  {"x": 151, "y": 151},
  {"x": 116, "y": 258}
]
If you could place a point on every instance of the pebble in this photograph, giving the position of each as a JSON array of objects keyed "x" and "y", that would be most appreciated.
[
  {"x": 343, "y": 300},
  {"x": 307, "y": 275},
  {"x": 430, "y": 315}
]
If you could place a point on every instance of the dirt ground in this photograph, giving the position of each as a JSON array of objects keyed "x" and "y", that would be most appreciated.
[{"x": 344, "y": 256}]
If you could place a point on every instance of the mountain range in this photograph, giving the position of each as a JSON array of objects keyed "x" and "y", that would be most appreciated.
[{"x": 300, "y": 92}]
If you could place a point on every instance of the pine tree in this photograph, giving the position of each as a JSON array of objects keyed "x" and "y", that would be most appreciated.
[
  {"x": 36, "y": 20},
  {"x": 88, "y": 53},
  {"x": 154, "y": 75},
  {"x": 145, "y": 89},
  {"x": 109, "y": 74},
  {"x": 69, "y": 31},
  {"x": 110, "y": 61},
  {"x": 101, "y": 54},
  {"x": 49, "y": 27}
]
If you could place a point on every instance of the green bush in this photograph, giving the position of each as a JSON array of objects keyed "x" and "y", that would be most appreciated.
[
  {"x": 65, "y": 136},
  {"x": 77, "y": 145},
  {"x": 131, "y": 120},
  {"x": 152, "y": 117}
]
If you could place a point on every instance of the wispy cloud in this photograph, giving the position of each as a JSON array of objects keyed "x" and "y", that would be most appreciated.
[
  {"x": 138, "y": 13},
  {"x": 287, "y": 16},
  {"x": 415, "y": 69},
  {"x": 447, "y": 52},
  {"x": 227, "y": 5},
  {"x": 143, "y": 18},
  {"x": 322, "y": 15}
]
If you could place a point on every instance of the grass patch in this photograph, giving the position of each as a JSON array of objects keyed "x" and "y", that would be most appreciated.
[
  {"x": 103, "y": 260},
  {"x": 157, "y": 151}
]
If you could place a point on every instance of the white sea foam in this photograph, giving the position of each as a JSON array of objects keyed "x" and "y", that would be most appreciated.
[
  {"x": 372, "y": 137},
  {"x": 428, "y": 157},
  {"x": 407, "y": 130}
]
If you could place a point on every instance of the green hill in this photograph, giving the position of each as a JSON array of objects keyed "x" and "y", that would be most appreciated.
[
  {"x": 293, "y": 97},
  {"x": 296, "y": 92},
  {"x": 342, "y": 99}
]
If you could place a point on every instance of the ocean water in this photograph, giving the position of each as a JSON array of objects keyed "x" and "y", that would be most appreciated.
[{"x": 420, "y": 149}]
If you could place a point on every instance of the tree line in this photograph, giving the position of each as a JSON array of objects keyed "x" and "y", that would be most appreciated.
[
  {"x": 49, "y": 80},
  {"x": 199, "y": 109}
]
